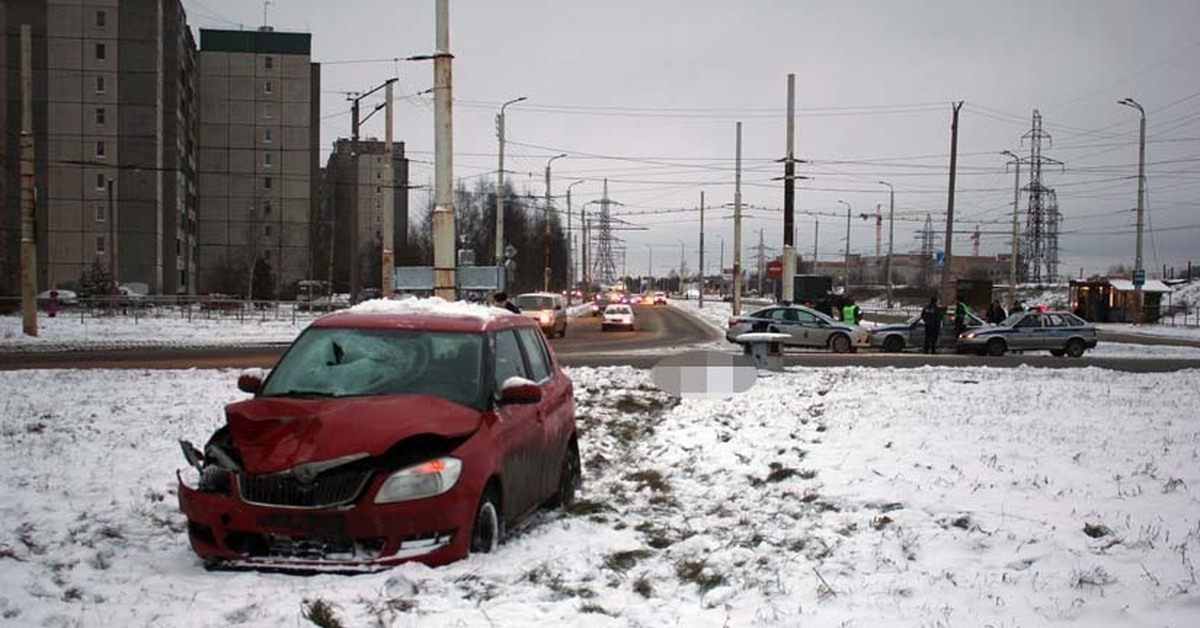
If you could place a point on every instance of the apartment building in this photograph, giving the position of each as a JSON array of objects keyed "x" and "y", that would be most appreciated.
[
  {"x": 114, "y": 115},
  {"x": 358, "y": 193},
  {"x": 258, "y": 159}
]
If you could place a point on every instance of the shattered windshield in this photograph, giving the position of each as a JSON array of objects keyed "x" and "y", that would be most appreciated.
[{"x": 342, "y": 362}]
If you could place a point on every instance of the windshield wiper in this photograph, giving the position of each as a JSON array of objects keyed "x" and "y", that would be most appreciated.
[{"x": 303, "y": 393}]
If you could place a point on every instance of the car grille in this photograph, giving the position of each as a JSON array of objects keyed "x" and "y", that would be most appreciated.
[{"x": 332, "y": 488}]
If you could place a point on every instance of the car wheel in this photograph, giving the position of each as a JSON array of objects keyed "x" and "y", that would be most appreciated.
[
  {"x": 1075, "y": 348},
  {"x": 488, "y": 529},
  {"x": 995, "y": 347},
  {"x": 839, "y": 344},
  {"x": 570, "y": 479},
  {"x": 894, "y": 344},
  {"x": 1058, "y": 353}
]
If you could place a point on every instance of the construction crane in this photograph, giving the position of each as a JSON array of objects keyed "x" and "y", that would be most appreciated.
[{"x": 878, "y": 216}]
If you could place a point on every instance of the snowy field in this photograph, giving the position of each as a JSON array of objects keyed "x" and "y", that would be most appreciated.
[
  {"x": 822, "y": 497},
  {"x": 931, "y": 496}
]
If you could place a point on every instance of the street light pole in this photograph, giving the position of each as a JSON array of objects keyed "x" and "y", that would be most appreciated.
[
  {"x": 499, "y": 258},
  {"x": 570, "y": 245},
  {"x": 1139, "y": 273},
  {"x": 546, "y": 235},
  {"x": 887, "y": 264},
  {"x": 846, "y": 261},
  {"x": 1012, "y": 266}
]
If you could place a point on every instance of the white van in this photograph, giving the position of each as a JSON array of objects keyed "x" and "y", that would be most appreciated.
[{"x": 548, "y": 309}]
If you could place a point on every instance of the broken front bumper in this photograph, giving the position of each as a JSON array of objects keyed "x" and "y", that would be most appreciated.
[{"x": 226, "y": 531}]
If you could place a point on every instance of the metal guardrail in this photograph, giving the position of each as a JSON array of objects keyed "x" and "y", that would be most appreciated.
[{"x": 179, "y": 307}]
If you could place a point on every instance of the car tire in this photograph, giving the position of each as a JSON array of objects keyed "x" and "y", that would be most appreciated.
[
  {"x": 996, "y": 347},
  {"x": 570, "y": 479},
  {"x": 1075, "y": 348},
  {"x": 893, "y": 344},
  {"x": 487, "y": 531},
  {"x": 1058, "y": 353},
  {"x": 839, "y": 343}
]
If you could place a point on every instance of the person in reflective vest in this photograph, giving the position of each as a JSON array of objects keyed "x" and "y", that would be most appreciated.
[{"x": 851, "y": 314}]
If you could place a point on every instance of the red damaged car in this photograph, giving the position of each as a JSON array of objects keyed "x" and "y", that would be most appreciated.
[{"x": 394, "y": 431}]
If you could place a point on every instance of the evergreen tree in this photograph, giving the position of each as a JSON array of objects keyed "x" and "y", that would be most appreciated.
[{"x": 96, "y": 281}]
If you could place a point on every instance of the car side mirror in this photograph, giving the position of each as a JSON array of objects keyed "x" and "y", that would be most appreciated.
[
  {"x": 518, "y": 390},
  {"x": 251, "y": 380}
]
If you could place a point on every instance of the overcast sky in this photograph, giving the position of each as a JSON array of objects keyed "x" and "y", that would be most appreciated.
[{"x": 648, "y": 94}]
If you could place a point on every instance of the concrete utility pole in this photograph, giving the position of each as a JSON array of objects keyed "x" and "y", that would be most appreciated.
[
  {"x": 789, "y": 196},
  {"x": 356, "y": 121},
  {"x": 546, "y": 233},
  {"x": 737, "y": 227},
  {"x": 1139, "y": 272},
  {"x": 28, "y": 195},
  {"x": 500, "y": 184},
  {"x": 887, "y": 265},
  {"x": 570, "y": 245},
  {"x": 816, "y": 242},
  {"x": 702, "y": 282},
  {"x": 388, "y": 246},
  {"x": 1012, "y": 266},
  {"x": 444, "y": 269},
  {"x": 948, "y": 287},
  {"x": 846, "y": 259}
]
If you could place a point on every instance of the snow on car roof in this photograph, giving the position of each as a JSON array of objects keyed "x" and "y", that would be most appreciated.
[{"x": 432, "y": 306}]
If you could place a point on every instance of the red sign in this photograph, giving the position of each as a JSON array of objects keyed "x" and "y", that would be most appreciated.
[{"x": 775, "y": 269}]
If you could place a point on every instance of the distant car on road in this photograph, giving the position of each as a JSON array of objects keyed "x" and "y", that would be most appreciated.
[
  {"x": 548, "y": 309},
  {"x": 618, "y": 315},
  {"x": 911, "y": 334},
  {"x": 807, "y": 328},
  {"x": 598, "y": 305},
  {"x": 1060, "y": 333},
  {"x": 660, "y": 298}
]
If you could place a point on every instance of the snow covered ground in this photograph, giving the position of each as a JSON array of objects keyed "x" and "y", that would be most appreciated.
[
  {"x": 931, "y": 496},
  {"x": 821, "y": 497}
]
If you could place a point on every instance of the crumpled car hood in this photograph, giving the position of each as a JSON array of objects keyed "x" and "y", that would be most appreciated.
[{"x": 275, "y": 434}]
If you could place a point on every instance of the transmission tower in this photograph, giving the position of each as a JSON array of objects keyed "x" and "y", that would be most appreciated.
[
  {"x": 1040, "y": 241},
  {"x": 927, "y": 236},
  {"x": 604, "y": 268}
]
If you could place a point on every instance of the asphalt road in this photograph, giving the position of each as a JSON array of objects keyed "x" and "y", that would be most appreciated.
[{"x": 660, "y": 331}]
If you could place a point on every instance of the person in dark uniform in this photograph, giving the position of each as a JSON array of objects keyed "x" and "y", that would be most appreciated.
[
  {"x": 931, "y": 317},
  {"x": 501, "y": 299}
]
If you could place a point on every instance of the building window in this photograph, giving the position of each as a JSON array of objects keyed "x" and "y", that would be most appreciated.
[
  {"x": 99, "y": 84},
  {"x": 101, "y": 52},
  {"x": 267, "y": 208},
  {"x": 268, "y": 62},
  {"x": 101, "y": 19},
  {"x": 268, "y": 136},
  {"x": 99, "y": 245},
  {"x": 268, "y": 110},
  {"x": 99, "y": 116},
  {"x": 101, "y": 212},
  {"x": 100, "y": 182},
  {"x": 268, "y": 87},
  {"x": 268, "y": 159},
  {"x": 267, "y": 183},
  {"x": 267, "y": 230},
  {"x": 100, "y": 149}
]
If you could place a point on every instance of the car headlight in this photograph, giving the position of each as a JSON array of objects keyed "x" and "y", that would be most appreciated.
[
  {"x": 427, "y": 479},
  {"x": 969, "y": 335}
]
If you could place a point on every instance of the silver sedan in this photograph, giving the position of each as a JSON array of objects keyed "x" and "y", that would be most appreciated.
[
  {"x": 807, "y": 328},
  {"x": 1060, "y": 333},
  {"x": 911, "y": 333}
]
